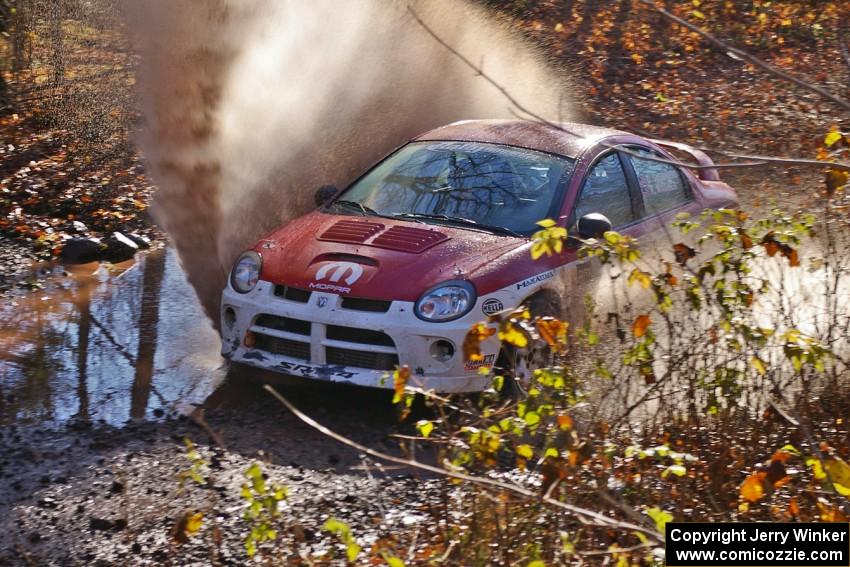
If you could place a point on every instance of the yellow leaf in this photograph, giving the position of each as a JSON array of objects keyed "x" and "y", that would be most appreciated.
[
  {"x": 752, "y": 489},
  {"x": 512, "y": 335},
  {"x": 762, "y": 17},
  {"x": 757, "y": 363},
  {"x": 697, "y": 14},
  {"x": 559, "y": 27},
  {"x": 641, "y": 277},
  {"x": 194, "y": 523},
  {"x": 817, "y": 468},
  {"x": 785, "y": 22},
  {"x": 832, "y": 137},
  {"x": 525, "y": 451},
  {"x": 839, "y": 473},
  {"x": 640, "y": 325}
]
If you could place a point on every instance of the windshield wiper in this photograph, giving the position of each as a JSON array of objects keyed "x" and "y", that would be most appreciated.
[
  {"x": 356, "y": 206},
  {"x": 461, "y": 221}
]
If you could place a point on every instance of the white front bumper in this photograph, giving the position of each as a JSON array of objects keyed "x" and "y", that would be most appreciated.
[{"x": 411, "y": 341}]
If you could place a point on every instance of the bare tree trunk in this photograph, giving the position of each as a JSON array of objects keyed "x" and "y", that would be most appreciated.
[
  {"x": 148, "y": 320},
  {"x": 83, "y": 330},
  {"x": 57, "y": 55}
]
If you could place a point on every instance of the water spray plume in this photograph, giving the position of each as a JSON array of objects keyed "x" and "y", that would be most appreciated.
[{"x": 251, "y": 105}]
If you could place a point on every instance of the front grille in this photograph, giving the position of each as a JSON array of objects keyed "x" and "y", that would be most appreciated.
[
  {"x": 287, "y": 324},
  {"x": 373, "y": 305},
  {"x": 283, "y": 347},
  {"x": 362, "y": 359},
  {"x": 292, "y": 293},
  {"x": 362, "y": 336}
]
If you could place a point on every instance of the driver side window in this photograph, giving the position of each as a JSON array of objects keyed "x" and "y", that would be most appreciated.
[{"x": 606, "y": 191}]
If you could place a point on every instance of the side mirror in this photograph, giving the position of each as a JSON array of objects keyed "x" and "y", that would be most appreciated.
[
  {"x": 324, "y": 194},
  {"x": 593, "y": 225}
]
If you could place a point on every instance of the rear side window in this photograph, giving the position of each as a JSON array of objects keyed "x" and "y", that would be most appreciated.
[
  {"x": 606, "y": 191},
  {"x": 662, "y": 185}
]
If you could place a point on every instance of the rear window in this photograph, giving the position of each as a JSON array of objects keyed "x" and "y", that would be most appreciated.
[{"x": 662, "y": 185}]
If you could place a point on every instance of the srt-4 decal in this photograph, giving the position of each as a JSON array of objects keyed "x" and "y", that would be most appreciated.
[
  {"x": 487, "y": 362},
  {"x": 535, "y": 279}
]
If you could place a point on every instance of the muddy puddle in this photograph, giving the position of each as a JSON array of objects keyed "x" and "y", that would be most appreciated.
[{"x": 108, "y": 344}]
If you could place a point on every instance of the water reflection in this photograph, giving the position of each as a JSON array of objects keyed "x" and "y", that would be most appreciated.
[{"x": 111, "y": 344}]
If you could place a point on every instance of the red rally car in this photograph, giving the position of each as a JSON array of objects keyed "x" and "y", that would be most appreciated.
[{"x": 395, "y": 269}]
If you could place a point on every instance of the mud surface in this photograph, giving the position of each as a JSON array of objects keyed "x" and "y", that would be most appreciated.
[{"x": 103, "y": 374}]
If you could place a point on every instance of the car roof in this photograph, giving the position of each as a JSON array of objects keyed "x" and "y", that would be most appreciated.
[{"x": 525, "y": 134}]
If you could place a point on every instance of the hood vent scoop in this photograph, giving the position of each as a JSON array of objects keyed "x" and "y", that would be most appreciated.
[
  {"x": 408, "y": 239},
  {"x": 352, "y": 232}
]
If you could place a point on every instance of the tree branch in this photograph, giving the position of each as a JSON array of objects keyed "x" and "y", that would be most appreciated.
[
  {"x": 586, "y": 516},
  {"x": 748, "y": 57},
  {"x": 756, "y": 160}
]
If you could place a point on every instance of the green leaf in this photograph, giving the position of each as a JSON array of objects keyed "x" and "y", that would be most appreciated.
[{"x": 531, "y": 418}]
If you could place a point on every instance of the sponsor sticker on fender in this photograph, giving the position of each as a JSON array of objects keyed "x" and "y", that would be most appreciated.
[
  {"x": 492, "y": 306},
  {"x": 535, "y": 279},
  {"x": 487, "y": 362}
]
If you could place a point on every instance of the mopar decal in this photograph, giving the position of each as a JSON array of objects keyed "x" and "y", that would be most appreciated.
[
  {"x": 492, "y": 306},
  {"x": 486, "y": 362},
  {"x": 335, "y": 271},
  {"x": 536, "y": 279},
  {"x": 339, "y": 270}
]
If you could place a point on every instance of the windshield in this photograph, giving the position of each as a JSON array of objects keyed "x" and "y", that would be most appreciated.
[{"x": 491, "y": 185}]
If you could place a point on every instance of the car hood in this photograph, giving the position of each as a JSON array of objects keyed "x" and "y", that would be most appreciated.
[{"x": 378, "y": 258}]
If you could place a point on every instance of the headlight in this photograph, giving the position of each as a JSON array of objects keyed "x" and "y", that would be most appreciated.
[
  {"x": 446, "y": 302},
  {"x": 246, "y": 272}
]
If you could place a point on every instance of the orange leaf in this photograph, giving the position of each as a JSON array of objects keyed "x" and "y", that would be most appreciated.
[
  {"x": 793, "y": 507},
  {"x": 400, "y": 378},
  {"x": 746, "y": 241},
  {"x": 565, "y": 422},
  {"x": 553, "y": 331},
  {"x": 752, "y": 489},
  {"x": 640, "y": 325},
  {"x": 683, "y": 253},
  {"x": 830, "y": 513},
  {"x": 472, "y": 343}
]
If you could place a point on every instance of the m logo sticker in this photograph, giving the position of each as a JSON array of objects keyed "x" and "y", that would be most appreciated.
[
  {"x": 339, "y": 270},
  {"x": 348, "y": 272}
]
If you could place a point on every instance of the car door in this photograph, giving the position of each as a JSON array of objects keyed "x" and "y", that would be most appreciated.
[
  {"x": 664, "y": 191},
  {"x": 608, "y": 189}
]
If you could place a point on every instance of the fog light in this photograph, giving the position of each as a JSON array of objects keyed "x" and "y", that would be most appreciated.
[
  {"x": 250, "y": 340},
  {"x": 229, "y": 318},
  {"x": 442, "y": 350}
]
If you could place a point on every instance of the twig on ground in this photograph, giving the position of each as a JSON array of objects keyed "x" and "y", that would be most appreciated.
[{"x": 586, "y": 516}]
